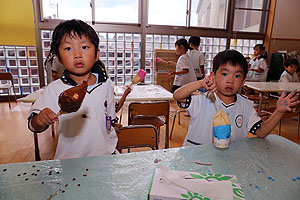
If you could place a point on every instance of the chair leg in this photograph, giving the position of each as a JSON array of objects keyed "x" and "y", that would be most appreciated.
[
  {"x": 9, "y": 99},
  {"x": 298, "y": 126},
  {"x": 174, "y": 118},
  {"x": 279, "y": 128},
  {"x": 178, "y": 117}
]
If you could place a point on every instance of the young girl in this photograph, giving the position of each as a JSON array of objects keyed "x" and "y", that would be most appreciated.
[
  {"x": 258, "y": 66},
  {"x": 184, "y": 72}
]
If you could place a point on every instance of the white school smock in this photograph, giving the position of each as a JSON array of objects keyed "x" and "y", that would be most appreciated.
[
  {"x": 196, "y": 60},
  {"x": 204, "y": 107},
  {"x": 286, "y": 77},
  {"x": 82, "y": 133},
  {"x": 182, "y": 79},
  {"x": 258, "y": 64}
]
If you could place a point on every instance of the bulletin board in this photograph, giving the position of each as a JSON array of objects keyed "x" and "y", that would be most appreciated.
[{"x": 17, "y": 23}]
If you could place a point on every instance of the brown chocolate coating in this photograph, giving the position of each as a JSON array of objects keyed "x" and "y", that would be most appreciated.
[{"x": 70, "y": 100}]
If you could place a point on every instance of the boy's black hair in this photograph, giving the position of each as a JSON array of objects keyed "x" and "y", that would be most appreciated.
[
  {"x": 195, "y": 40},
  {"x": 291, "y": 61},
  {"x": 263, "y": 48},
  {"x": 182, "y": 42},
  {"x": 73, "y": 28},
  {"x": 232, "y": 57}
]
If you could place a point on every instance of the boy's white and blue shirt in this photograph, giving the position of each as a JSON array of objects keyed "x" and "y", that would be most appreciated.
[
  {"x": 82, "y": 133},
  {"x": 203, "y": 107}
]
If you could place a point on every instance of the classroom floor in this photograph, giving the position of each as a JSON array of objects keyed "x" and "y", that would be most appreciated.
[{"x": 17, "y": 145}]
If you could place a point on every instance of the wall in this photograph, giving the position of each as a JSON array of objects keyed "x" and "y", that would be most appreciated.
[
  {"x": 286, "y": 27},
  {"x": 17, "y": 23}
]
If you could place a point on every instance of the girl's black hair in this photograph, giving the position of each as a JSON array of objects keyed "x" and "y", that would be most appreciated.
[
  {"x": 232, "y": 57},
  {"x": 263, "y": 48},
  {"x": 182, "y": 42},
  {"x": 73, "y": 28},
  {"x": 195, "y": 40}
]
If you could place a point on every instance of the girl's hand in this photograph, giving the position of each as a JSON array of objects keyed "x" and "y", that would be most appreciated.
[
  {"x": 285, "y": 103},
  {"x": 209, "y": 83},
  {"x": 171, "y": 63},
  {"x": 46, "y": 117},
  {"x": 171, "y": 73}
]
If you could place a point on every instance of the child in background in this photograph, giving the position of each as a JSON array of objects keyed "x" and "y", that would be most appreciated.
[
  {"x": 88, "y": 131},
  {"x": 196, "y": 57},
  {"x": 228, "y": 76},
  {"x": 184, "y": 72},
  {"x": 290, "y": 74},
  {"x": 258, "y": 70}
]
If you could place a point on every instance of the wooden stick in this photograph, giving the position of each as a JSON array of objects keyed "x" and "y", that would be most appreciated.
[
  {"x": 199, "y": 163},
  {"x": 59, "y": 113}
]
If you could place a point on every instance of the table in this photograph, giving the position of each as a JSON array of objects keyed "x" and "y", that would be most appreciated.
[
  {"x": 144, "y": 92},
  {"x": 266, "y": 169},
  {"x": 262, "y": 87}
]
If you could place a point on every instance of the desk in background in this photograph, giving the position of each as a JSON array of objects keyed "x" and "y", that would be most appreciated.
[
  {"x": 262, "y": 87},
  {"x": 144, "y": 93},
  {"x": 266, "y": 169}
]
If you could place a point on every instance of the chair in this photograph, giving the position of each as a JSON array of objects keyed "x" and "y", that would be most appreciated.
[
  {"x": 135, "y": 136},
  {"x": 6, "y": 76},
  {"x": 177, "y": 112},
  {"x": 154, "y": 113},
  {"x": 289, "y": 114}
]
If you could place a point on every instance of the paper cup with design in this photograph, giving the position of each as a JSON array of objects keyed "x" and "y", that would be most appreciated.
[{"x": 221, "y": 129}]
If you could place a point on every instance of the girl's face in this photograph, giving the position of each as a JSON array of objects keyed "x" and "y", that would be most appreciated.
[
  {"x": 258, "y": 51},
  {"x": 180, "y": 50}
]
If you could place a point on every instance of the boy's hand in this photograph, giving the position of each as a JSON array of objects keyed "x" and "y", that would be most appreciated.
[
  {"x": 209, "y": 83},
  {"x": 45, "y": 117},
  {"x": 285, "y": 103}
]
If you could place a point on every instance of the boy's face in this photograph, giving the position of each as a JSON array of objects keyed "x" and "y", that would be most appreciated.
[
  {"x": 77, "y": 55},
  {"x": 291, "y": 69},
  {"x": 229, "y": 80}
]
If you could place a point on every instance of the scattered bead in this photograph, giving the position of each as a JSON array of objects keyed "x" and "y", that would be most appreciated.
[
  {"x": 269, "y": 177},
  {"x": 4, "y": 170},
  {"x": 293, "y": 179},
  {"x": 63, "y": 191},
  {"x": 24, "y": 173},
  {"x": 26, "y": 179},
  {"x": 86, "y": 169},
  {"x": 84, "y": 175},
  {"x": 74, "y": 179},
  {"x": 33, "y": 166},
  {"x": 78, "y": 184},
  {"x": 66, "y": 185}
]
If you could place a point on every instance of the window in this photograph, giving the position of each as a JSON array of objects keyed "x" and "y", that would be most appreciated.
[
  {"x": 251, "y": 15},
  {"x": 167, "y": 12},
  {"x": 67, "y": 9},
  {"x": 125, "y": 11},
  {"x": 209, "y": 13}
]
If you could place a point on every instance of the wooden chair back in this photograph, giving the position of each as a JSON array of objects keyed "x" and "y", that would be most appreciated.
[
  {"x": 135, "y": 136},
  {"x": 6, "y": 76}
]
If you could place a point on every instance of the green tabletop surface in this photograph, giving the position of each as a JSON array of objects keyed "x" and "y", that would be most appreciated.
[{"x": 266, "y": 169}]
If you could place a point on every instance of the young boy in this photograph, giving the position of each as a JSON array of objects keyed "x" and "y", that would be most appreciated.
[
  {"x": 196, "y": 57},
  {"x": 290, "y": 74},
  {"x": 86, "y": 132},
  {"x": 228, "y": 76}
]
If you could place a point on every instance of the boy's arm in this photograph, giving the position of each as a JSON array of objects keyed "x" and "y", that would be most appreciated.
[
  {"x": 183, "y": 92},
  {"x": 283, "y": 104}
]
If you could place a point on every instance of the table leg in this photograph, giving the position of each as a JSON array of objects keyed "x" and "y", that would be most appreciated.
[
  {"x": 261, "y": 94},
  {"x": 36, "y": 147}
]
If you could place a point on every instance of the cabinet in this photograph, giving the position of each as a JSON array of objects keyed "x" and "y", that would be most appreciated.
[{"x": 161, "y": 69}]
